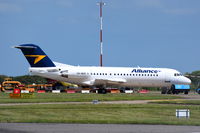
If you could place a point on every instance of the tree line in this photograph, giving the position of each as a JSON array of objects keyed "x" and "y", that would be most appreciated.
[
  {"x": 25, "y": 79},
  {"x": 195, "y": 78}
]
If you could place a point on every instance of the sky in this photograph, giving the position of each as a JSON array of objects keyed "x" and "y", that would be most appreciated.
[{"x": 144, "y": 33}]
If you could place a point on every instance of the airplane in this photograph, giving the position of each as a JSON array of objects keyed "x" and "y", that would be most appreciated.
[{"x": 101, "y": 77}]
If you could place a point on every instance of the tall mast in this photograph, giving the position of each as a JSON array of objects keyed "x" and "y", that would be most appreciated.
[{"x": 101, "y": 4}]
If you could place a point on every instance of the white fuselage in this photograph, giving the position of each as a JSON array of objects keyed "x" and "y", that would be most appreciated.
[{"x": 112, "y": 76}]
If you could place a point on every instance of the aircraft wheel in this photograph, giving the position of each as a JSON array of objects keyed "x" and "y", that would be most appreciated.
[
  {"x": 102, "y": 91},
  {"x": 164, "y": 90},
  {"x": 186, "y": 92}
]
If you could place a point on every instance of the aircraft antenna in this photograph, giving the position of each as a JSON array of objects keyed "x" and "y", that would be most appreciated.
[{"x": 101, "y": 4}]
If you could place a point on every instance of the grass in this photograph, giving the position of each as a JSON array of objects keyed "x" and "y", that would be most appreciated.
[
  {"x": 100, "y": 113},
  {"x": 64, "y": 97},
  {"x": 153, "y": 113},
  {"x": 179, "y": 102}
]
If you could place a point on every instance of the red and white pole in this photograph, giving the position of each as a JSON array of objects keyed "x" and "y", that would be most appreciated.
[{"x": 101, "y": 33}]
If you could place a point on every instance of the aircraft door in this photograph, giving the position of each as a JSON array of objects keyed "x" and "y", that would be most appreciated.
[{"x": 168, "y": 79}]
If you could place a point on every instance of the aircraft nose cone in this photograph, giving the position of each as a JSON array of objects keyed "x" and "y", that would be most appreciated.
[{"x": 187, "y": 81}]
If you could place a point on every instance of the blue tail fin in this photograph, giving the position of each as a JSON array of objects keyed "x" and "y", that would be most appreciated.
[{"x": 35, "y": 56}]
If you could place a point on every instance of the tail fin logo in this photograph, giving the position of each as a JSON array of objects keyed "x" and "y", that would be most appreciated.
[{"x": 37, "y": 57}]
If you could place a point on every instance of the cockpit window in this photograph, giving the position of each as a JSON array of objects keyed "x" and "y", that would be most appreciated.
[{"x": 178, "y": 74}]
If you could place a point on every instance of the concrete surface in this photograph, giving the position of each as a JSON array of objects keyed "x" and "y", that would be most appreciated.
[{"x": 94, "y": 128}]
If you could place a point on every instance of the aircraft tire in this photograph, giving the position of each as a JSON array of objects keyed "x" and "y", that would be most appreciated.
[
  {"x": 186, "y": 92},
  {"x": 163, "y": 90},
  {"x": 102, "y": 91}
]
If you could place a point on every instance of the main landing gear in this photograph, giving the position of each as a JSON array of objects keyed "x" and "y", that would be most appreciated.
[{"x": 102, "y": 90}]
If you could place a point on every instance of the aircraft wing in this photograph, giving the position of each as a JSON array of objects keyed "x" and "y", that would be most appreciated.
[
  {"x": 113, "y": 81},
  {"x": 109, "y": 81}
]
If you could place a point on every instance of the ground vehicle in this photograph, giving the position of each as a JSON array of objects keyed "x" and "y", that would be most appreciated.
[
  {"x": 35, "y": 87},
  {"x": 176, "y": 89},
  {"x": 8, "y": 85},
  {"x": 198, "y": 90}
]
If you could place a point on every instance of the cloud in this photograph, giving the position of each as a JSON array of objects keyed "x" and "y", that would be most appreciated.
[
  {"x": 165, "y": 7},
  {"x": 8, "y": 7},
  {"x": 179, "y": 11},
  {"x": 149, "y": 3},
  {"x": 64, "y": 3}
]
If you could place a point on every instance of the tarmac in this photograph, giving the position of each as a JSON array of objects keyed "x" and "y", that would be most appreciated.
[{"x": 94, "y": 128}]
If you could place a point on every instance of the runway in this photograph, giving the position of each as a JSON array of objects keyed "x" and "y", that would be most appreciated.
[
  {"x": 94, "y": 128},
  {"x": 100, "y": 102}
]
